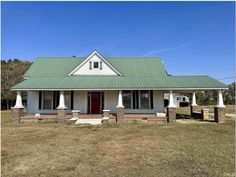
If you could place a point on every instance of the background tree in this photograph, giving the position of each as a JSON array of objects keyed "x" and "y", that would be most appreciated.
[
  {"x": 210, "y": 97},
  {"x": 229, "y": 95},
  {"x": 12, "y": 72}
]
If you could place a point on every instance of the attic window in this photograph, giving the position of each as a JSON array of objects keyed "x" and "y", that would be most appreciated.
[{"x": 95, "y": 64}]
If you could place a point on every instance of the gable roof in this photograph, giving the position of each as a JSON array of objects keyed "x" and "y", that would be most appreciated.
[
  {"x": 127, "y": 66},
  {"x": 136, "y": 73},
  {"x": 89, "y": 57}
]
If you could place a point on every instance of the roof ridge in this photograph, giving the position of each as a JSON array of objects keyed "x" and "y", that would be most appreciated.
[{"x": 104, "y": 57}]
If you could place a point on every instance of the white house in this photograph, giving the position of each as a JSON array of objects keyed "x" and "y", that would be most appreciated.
[{"x": 97, "y": 84}]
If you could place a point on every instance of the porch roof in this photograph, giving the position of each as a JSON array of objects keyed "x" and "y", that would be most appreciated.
[
  {"x": 137, "y": 73},
  {"x": 115, "y": 83}
]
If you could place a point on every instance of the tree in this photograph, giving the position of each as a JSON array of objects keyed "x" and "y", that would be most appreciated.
[
  {"x": 229, "y": 95},
  {"x": 12, "y": 72}
]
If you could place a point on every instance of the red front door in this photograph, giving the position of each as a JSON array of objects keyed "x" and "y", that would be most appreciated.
[{"x": 95, "y": 102}]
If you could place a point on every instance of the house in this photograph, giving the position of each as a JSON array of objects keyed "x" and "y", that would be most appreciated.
[{"x": 111, "y": 86}]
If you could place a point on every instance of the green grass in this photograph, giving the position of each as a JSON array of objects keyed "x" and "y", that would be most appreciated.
[{"x": 137, "y": 149}]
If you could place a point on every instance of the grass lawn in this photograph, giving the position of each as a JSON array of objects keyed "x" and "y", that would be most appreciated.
[{"x": 137, "y": 149}]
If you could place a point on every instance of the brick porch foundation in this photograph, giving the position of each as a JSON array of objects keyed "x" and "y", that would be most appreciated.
[
  {"x": 61, "y": 115},
  {"x": 171, "y": 114},
  {"x": 219, "y": 114},
  {"x": 75, "y": 113},
  {"x": 120, "y": 114},
  {"x": 192, "y": 110},
  {"x": 205, "y": 114},
  {"x": 17, "y": 113}
]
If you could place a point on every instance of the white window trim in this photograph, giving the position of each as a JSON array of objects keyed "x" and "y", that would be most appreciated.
[{"x": 98, "y": 64}]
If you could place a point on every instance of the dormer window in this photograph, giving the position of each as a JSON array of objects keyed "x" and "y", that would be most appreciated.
[{"x": 95, "y": 64}]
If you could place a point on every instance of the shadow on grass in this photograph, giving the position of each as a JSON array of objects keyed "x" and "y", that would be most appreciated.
[{"x": 188, "y": 117}]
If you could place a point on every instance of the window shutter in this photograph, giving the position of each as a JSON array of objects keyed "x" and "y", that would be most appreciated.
[
  {"x": 72, "y": 100},
  {"x": 90, "y": 65},
  {"x": 54, "y": 99},
  {"x": 134, "y": 105},
  {"x": 151, "y": 98},
  {"x": 58, "y": 98},
  {"x": 100, "y": 65},
  {"x": 40, "y": 99},
  {"x": 137, "y": 99}
]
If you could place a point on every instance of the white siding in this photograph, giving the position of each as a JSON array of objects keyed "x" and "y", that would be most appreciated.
[
  {"x": 110, "y": 102},
  {"x": 84, "y": 70},
  {"x": 80, "y": 101},
  {"x": 158, "y": 104},
  {"x": 33, "y": 104}
]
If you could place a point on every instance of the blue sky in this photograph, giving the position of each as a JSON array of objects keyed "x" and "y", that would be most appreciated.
[{"x": 192, "y": 38}]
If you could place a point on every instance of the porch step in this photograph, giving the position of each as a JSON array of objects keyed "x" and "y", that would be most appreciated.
[
  {"x": 90, "y": 116},
  {"x": 89, "y": 121}
]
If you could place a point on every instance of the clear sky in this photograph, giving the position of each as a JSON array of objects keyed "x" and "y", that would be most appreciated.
[{"x": 192, "y": 38}]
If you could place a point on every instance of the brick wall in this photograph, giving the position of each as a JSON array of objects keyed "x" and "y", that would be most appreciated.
[
  {"x": 120, "y": 114},
  {"x": 219, "y": 114},
  {"x": 171, "y": 114},
  {"x": 61, "y": 115},
  {"x": 17, "y": 113}
]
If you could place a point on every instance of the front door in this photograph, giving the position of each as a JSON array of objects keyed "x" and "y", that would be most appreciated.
[{"x": 95, "y": 102}]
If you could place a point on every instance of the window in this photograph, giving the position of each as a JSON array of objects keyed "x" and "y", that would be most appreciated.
[
  {"x": 184, "y": 99},
  {"x": 138, "y": 99},
  {"x": 95, "y": 64},
  {"x": 127, "y": 99},
  {"x": 67, "y": 99},
  {"x": 47, "y": 100},
  {"x": 144, "y": 99}
]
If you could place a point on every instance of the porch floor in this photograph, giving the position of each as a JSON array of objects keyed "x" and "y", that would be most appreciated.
[{"x": 127, "y": 117}]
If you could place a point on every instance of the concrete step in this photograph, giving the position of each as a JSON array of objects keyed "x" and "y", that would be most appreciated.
[{"x": 89, "y": 121}]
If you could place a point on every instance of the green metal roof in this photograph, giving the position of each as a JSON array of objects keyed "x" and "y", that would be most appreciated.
[
  {"x": 137, "y": 73},
  {"x": 61, "y": 67}
]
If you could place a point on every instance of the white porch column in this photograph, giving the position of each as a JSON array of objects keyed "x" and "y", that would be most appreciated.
[
  {"x": 18, "y": 100},
  {"x": 171, "y": 100},
  {"x": 220, "y": 102},
  {"x": 194, "y": 100},
  {"x": 62, "y": 101},
  {"x": 120, "y": 100}
]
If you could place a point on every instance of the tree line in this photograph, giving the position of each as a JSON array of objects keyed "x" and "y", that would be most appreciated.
[{"x": 12, "y": 72}]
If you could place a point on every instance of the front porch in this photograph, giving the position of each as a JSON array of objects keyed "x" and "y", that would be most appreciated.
[
  {"x": 123, "y": 111},
  {"x": 112, "y": 118}
]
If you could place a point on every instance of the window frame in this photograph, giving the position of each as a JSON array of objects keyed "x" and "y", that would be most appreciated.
[
  {"x": 131, "y": 99},
  {"x": 42, "y": 100},
  {"x": 149, "y": 100},
  {"x": 97, "y": 62}
]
